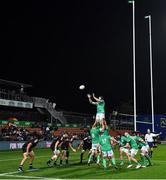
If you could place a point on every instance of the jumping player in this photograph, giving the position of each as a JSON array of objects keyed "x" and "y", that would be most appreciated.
[{"x": 100, "y": 104}]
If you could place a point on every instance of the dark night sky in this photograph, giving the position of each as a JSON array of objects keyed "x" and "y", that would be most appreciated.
[{"x": 58, "y": 45}]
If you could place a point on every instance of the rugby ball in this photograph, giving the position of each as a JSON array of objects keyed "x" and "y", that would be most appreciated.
[{"x": 81, "y": 87}]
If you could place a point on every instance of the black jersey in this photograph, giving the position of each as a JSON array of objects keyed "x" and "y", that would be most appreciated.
[
  {"x": 65, "y": 144},
  {"x": 52, "y": 146},
  {"x": 87, "y": 143},
  {"x": 33, "y": 144}
]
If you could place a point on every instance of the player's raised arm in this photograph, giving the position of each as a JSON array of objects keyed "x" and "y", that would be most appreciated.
[
  {"x": 95, "y": 98},
  {"x": 90, "y": 100},
  {"x": 155, "y": 135}
]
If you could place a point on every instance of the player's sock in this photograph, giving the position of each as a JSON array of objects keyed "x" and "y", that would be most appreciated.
[
  {"x": 55, "y": 163},
  {"x": 30, "y": 166},
  {"x": 61, "y": 162},
  {"x": 98, "y": 158},
  {"x": 105, "y": 163},
  {"x": 94, "y": 158},
  {"x": 151, "y": 153},
  {"x": 81, "y": 157},
  {"x": 113, "y": 162},
  {"x": 49, "y": 161},
  {"x": 121, "y": 163},
  {"x": 90, "y": 158},
  {"x": 148, "y": 158},
  {"x": 143, "y": 160},
  {"x": 129, "y": 162},
  {"x": 67, "y": 161}
]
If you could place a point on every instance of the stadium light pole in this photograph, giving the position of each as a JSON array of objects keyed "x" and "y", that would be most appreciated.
[
  {"x": 134, "y": 72},
  {"x": 151, "y": 67}
]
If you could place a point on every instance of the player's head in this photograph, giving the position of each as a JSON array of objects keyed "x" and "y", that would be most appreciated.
[
  {"x": 148, "y": 131},
  {"x": 126, "y": 134},
  {"x": 101, "y": 98}
]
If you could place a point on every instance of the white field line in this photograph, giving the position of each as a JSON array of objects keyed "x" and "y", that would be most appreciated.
[
  {"x": 29, "y": 177},
  {"x": 13, "y": 174},
  {"x": 21, "y": 158}
]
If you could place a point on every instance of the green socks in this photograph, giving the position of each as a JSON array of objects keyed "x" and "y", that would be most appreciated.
[{"x": 104, "y": 163}]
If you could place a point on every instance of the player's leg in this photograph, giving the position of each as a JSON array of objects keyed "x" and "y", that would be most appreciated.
[
  {"x": 25, "y": 156},
  {"x": 104, "y": 154},
  {"x": 92, "y": 154},
  {"x": 81, "y": 155},
  {"x": 57, "y": 157},
  {"x": 111, "y": 155},
  {"x": 51, "y": 160},
  {"x": 121, "y": 156},
  {"x": 133, "y": 154},
  {"x": 54, "y": 158},
  {"x": 67, "y": 157},
  {"x": 150, "y": 148},
  {"x": 144, "y": 153},
  {"x": 62, "y": 157},
  {"x": 32, "y": 157},
  {"x": 98, "y": 154}
]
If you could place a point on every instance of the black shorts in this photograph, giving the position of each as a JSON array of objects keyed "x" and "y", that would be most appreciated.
[
  {"x": 86, "y": 147},
  {"x": 25, "y": 150},
  {"x": 151, "y": 144}
]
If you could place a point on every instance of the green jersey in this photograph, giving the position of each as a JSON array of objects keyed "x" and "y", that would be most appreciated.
[
  {"x": 123, "y": 141},
  {"x": 106, "y": 131},
  {"x": 104, "y": 141},
  {"x": 132, "y": 142},
  {"x": 95, "y": 135},
  {"x": 138, "y": 140},
  {"x": 100, "y": 106}
]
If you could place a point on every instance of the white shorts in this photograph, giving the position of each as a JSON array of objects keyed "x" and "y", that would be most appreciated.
[
  {"x": 108, "y": 153},
  {"x": 145, "y": 148},
  {"x": 125, "y": 150},
  {"x": 100, "y": 117},
  {"x": 56, "y": 152},
  {"x": 133, "y": 152},
  {"x": 95, "y": 146}
]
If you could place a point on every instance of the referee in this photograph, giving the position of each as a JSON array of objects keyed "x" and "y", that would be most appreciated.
[{"x": 149, "y": 138}]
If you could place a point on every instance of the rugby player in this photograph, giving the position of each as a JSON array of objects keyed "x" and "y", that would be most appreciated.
[
  {"x": 95, "y": 150},
  {"x": 122, "y": 149},
  {"x": 65, "y": 145},
  {"x": 144, "y": 148},
  {"x": 27, "y": 149},
  {"x": 100, "y": 104},
  {"x": 107, "y": 152},
  {"x": 86, "y": 144},
  {"x": 133, "y": 150},
  {"x": 55, "y": 149}
]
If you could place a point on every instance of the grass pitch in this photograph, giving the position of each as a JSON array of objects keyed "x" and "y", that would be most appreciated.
[{"x": 9, "y": 162}]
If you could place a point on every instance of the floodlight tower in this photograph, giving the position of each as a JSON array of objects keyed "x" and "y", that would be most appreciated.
[
  {"x": 151, "y": 67},
  {"x": 134, "y": 71}
]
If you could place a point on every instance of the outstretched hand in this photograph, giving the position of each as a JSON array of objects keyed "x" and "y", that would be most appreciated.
[{"x": 88, "y": 95}]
